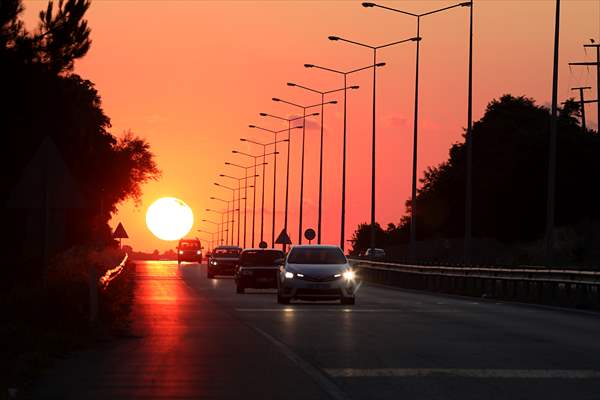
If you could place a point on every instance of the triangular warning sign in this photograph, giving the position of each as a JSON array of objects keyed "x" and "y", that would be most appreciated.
[
  {"x": 283, "y": 238},
  {"x": 120, "y": 232}
]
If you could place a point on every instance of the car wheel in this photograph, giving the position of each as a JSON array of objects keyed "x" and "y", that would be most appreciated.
[
  {"x": 239, "y": 289},
  {"x": 282, "y": 300},
  {"x": 347, "y": 301}
]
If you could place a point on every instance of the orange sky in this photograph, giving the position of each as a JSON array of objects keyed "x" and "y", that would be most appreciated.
[{"x": 191, "y": 75}]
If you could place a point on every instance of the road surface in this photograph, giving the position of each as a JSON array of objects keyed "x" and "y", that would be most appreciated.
[{"x": 196, "y": 338}]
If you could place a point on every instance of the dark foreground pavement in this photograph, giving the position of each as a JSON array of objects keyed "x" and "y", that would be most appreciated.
[{"x": 197, "y": 339}]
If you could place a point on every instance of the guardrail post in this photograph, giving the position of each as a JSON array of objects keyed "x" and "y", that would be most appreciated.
[{"x": 93, "y": 285}]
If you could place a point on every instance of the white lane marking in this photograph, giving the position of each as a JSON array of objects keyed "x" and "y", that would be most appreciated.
[
  {"x": 315, "y": 373},
  {"x": 344, "y": 310},
  {"x": 464, "y": 373}
]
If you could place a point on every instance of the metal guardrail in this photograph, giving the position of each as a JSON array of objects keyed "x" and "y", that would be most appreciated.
[
  {"x": 546, "y": 286},
  {"x": 113, "y": 273}
]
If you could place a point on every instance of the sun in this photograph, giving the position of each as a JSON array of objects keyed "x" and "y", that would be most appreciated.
[{"x": 169, "y": 218}]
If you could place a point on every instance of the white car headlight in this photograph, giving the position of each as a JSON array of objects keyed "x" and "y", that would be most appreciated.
[
  {"x": 198, "y": 252},
  {"x": 289, "y": 275},
  {"x": 180, "y": 251},
  {"x": 213, "y": 263},
  {"x": 349, "y": 275}
]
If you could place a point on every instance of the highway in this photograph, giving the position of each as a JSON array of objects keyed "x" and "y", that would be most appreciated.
[{"x": 195, "y": 338}]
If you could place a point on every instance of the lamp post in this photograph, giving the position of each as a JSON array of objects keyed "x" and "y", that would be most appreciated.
[
  {"x": 246, "y": 193},
  {"x": 413, "y": 206},
  {"x": 345, "y": 75},
  {"x": 233, "y": 206},
  {"x": 264, "y": 156},
  {"x": 322, "y": 93},
  {"x": 227, "y": 222},
  {"x": 212, "y": 238},
  {"x": 304, "y": 108},
  {"x": 287, "y": 173},
  {"x": 275, "y": 141},
  {"x": 221, "y": 231},
  {"x": 239, "y": 180},
  {"x": 374, "y": 48}
]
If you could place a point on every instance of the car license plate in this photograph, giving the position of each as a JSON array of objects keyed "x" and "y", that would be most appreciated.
[{"x": 318, "y": 286}]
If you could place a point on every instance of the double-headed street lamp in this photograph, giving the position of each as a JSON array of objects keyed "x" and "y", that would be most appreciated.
[
  {"x": 212, "y": 237},
  {"x": 287, "y": 173},
  {"x": 374, "y": 48},
  {"x": 264, "y": 155},
  {"x": 413, "y": 206},
  {"x": 227, "y": 239},
  {"x": 254, "y": 176},
  {"x": 304, "y": 108},
  {"x": 239, "y": 180},
  {"x": 322, "y": 93},
  {"x": 345, "y": 75},
  {"x": 275, "y": 141},
  {"x": 233, "y": 206}
]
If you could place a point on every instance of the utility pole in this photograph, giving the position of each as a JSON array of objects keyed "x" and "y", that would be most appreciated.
[
  {"x": 582, "y": 105},
  {"x": 597, "y": 64}
]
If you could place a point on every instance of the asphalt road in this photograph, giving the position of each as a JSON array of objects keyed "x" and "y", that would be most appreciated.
[{"x": 197, "y": 339}]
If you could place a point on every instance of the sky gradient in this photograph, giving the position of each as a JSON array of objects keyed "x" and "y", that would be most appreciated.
[{"x": 189, "y": 76}]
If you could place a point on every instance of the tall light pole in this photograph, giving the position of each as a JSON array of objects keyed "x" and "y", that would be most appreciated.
[
  {"x": 221, "y": 231},
  {"x": 287, "y": 173},
  {"x": 227, "y": 222},
  {"x": 212, "y": 238},
  {"x": 275, "y": 141},
  {"x": 413, "y": 203},
  {"x": 550, "y": 204},
  {"x": 254, "y": 176},
  {"x": 322, "y": 93},
  {"x": 304, "y": 108},
  {"x": 264, "y": 157},
  {"x": 374, "y": 49},
  {"x": 239, "y": 189},
  {"x": 345, "y": 75},
  {"x": 233, "y": 207}
]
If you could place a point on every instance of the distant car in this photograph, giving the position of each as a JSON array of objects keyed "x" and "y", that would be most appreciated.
[
  {"x": 375, "y": 254},
  {"x": 189, "y": 250},
  {"x": 258, "y": 269},
  {"x": 316, "y": 272},
  {"x": 223, "y": 261}
]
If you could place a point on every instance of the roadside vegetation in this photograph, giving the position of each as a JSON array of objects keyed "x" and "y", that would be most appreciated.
[
  {"x": 56, "y": 211},
  {"x": 510, "y": 159}
]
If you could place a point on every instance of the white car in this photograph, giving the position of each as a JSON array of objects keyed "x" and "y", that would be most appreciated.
[{"x": 316, "y": 272}]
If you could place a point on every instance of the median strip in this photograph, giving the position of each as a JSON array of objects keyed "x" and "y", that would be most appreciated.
[{"x": 463, "y": 373}]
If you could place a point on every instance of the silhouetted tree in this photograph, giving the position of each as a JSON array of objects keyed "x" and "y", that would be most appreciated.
[{"x": 510, "y": 161}]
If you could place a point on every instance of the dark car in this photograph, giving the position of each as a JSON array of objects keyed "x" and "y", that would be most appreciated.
[
  {"x": 223, "y": 261},
  {"x": 189, "y": 250},
  {"x": 258, "y": 268}
]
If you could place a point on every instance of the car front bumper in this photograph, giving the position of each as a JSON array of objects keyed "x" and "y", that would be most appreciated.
[{"x": 296, "y": 288}]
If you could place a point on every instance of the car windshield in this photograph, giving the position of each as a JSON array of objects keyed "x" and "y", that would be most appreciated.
[
  {"x": 189, "y": 245},
  {"x": 316, "y": 255},
  {"x": 261, "y": 257},
  {"x": 226, "y": 252}
]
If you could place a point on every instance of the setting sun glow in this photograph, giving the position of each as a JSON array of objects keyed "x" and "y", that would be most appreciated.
[{"x": 169, "y": 218}]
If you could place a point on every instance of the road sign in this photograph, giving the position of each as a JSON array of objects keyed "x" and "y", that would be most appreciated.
[
  {"x": 283, "y": 238},
  {"x": 263, "y": 245},
  {"x": 309, "y": 234},
  {"x": 120, "y": 232}
]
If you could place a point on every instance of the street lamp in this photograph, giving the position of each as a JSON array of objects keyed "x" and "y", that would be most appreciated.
[
  {"x": 345, "y": 75},
  {"x": 275, "y": 141},
  {"x": 304, "y": 108},
  {"x": 264, "y": 155},
  {"x": 221, "y": 230},
  {"x": 246, "y": 193},
  {"x": 374, "y": 48},
  {"x": 287, "y": 174},
  {"x": 322, "y": 93},
  {"x": 468, "y": 142},
  {"x": 226, "y": 222},
  {"x": 239, "y": 180},
  {"x": 212, "y": 238},
  {"x": 233, "y": 206}
]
